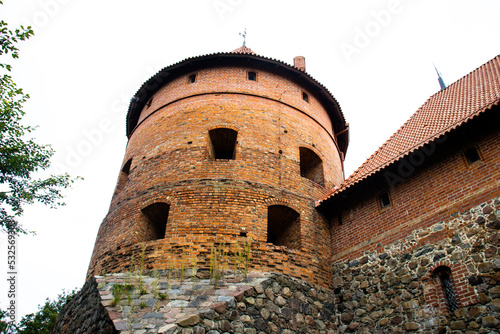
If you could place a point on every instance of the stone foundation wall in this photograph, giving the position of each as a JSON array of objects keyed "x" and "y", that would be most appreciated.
[
  {"x": 84, "y": 313},
  {"x": 162, "y": 303},
  {"x": 398, "y": 290}
]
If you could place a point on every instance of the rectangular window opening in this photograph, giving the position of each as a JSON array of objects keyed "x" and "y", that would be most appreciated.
[
  {"x": 192, "y": 78},
  {"x": 472, "y": 155},
  {"x": 385, "y": 200},
  {"x": 311, "y": 166},
  {"x": 252, "y": 76},
  {"x": 156, "y": 220},
  {"x": 222, "y": 143},
  {"x": 305, "y": 97},
  {"x": 148, "y": 104},
  {"x": 283, "y": 226}
]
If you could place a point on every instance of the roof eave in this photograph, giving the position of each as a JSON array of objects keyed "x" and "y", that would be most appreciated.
[{"x": 153, "y": 84}]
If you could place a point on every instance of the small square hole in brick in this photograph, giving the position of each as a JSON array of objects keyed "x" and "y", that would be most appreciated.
[
  {"x": 472, "y": 155},
  {"x": 305, "y": 97},
  {"x": 385, "y": 200},
  {"x": 252, "y": 76}
]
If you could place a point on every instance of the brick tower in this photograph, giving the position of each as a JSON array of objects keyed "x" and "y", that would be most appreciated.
[{"x": 222, "y": 149}]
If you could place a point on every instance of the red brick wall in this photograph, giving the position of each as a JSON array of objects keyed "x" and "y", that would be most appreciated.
[
  {"x": 444, "y": 185},
  {"x": 214, "y": 200}
]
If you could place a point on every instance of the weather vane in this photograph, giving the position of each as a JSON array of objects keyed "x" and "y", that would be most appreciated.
[{"x": 244, "y": 35}]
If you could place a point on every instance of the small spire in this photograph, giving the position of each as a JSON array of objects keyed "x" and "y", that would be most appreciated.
[
  {"x": 440, "y": 79},
  {"x": 244, "y": 35}
]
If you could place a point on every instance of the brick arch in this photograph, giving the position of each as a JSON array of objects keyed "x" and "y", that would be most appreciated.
[
  {"x": 433, "y": 294},
  {"x": 224, "y": 144},
  {"x": 156, "y": 198},
  {"x": 227, "y": 125},
  {"x": 283, "y": 223},
  {"x": 152, "y": 221},
  {"x": 312, "y": 148},
  {"x": 282, "y": 201}
]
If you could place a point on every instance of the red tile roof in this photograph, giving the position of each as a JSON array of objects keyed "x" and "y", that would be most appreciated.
[
  {"x": 441, "y": 113},
  {"x": 244, "y": 50}
]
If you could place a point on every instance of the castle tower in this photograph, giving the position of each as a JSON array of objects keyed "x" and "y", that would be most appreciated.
[{"x": 226, "y": 148}]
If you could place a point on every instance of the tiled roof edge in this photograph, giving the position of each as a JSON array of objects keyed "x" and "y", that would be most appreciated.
[{"x": 353, "y": 179}]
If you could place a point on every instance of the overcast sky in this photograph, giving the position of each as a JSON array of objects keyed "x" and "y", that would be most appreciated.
[{"x": 88, "y": 58}]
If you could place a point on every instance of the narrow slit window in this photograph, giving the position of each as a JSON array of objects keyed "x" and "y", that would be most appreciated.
[
  {"x": 148, "y": 104},
  {"x": 156, "y": 216},
  {"x": 444, "y": 275},
  {"x": 222, "y": 143},
  {"x": 283, "y": 226},
  {"x": 385, "y": 200},
  {"x": 311, "y": 166},
  {"x": 252, "y": 76},
  {"x": 305, "y": 97},
  {"x": 472, "y": 155},
  {"x": 192, "y": 78}
]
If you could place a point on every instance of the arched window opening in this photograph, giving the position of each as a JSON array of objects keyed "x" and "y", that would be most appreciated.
[
  {"x": 123, "y": 177},
  {"x": 443, "y": 274},
  {"x": 283, "y": 226},
  {"x": 222, "y": 143},
  {"x": 156, "y": 216},
  {"x": 311, "y": 166},
  {"x": 126, "y": 167}
]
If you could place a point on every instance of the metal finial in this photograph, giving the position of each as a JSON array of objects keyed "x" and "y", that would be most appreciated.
[
  {"x": 440, "y": 79},
  {"x": 244, "y": 35}
]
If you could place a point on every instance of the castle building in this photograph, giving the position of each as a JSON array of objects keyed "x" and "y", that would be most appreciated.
[
  {"x": 223, "y": 149},
  {"x": 233, "y": 149}
]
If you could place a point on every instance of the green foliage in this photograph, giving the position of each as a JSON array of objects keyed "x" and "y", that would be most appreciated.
[
  {"x": 40, "y": 322},
  {"x": 218, "y": 263},
  {"x": 4, "y": 325},
  {"x": 21, "y": 157},
  {"x": 119, "y": 289},
  {"x": 183, "y": 266},
  {"x": 242, "y": 256},
  {"x": 163, "y": 296}
]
